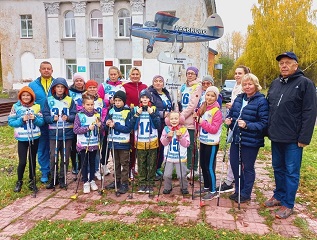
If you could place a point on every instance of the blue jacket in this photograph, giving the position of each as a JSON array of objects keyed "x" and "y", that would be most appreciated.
[
  {"x": 118, "y": 128},
  {"x": 157, "y": 101},
  {"x": 255, "y": 114},
  {"x": 49, "y": 119}
]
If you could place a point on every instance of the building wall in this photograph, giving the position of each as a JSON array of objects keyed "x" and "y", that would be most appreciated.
[{"x": 21, "y": 57}]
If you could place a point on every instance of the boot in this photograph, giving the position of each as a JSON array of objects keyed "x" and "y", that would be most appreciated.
[
  {"x": 51, "y": 184},
  {"x": 62, "y": 183},
  {"x": 32, "y": 186},
  {"x": 18, "y": 186}
]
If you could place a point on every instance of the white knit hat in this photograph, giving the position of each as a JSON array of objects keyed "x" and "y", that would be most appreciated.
[
  {"x": 213, "y": 89},
  {"x": 77, "y": 75}
]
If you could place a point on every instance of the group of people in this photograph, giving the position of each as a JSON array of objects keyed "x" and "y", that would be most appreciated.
[{"x": 138, "y": 124}]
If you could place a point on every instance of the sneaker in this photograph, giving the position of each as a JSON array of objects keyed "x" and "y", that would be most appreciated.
[
  {"x": 203, "y": 190},
  {"x": 149, "y": 189},
  {"x": 142, "y": 189},
  {"x": 159, "y": 172},
  {"x": 283, "y": 212},
  {"x": 51, "y": 184},
  {"x": 225, "y": 188},
  {"x": 233, "y": 196},
  {"x": 184, "y": 191},
  {"x": 106, "y": 170},
  {"x": 86, "y": 187},
  {"x": 196, "y": 174},
  {"x": 157, "y": 177},
  {"x": 18, "y": 186},
  {"x": 210, "y": 196},
  {"x": 62, "y": 183},
  {"x": 112, "y": 185},
  {"x": 98, "y": 175},
  {"x": 44, "y": 178},
  {"x": 74, "y": 171},
  {"x": 167, "y": 191},
  {"x": 272, "y": 202},
  {"x": 123, "y": 188},
  {"x": 242, "y": 199},
  {"x": 93, "y": 185}
]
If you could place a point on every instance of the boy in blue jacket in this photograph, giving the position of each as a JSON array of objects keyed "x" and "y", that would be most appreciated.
[
  {"x": 118, "y": 120},
  {"x": 59, "y": 113},
  {"x": 26, "y": 118}
]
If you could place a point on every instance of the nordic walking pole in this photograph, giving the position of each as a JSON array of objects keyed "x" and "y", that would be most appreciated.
[
  {"x": 223, "y": 166},
  {"x": 130, "y": 196},
  {"x": 64, "y": 154},
  {"x": 106, "y": 157},
  {"x": 55, "y": 155},
  {"x": 83, "y": 165},
  {"x": 161, "y": 180},
  {"x": 240, "y": 163},
  {"x": 114, "y": 165},
  {"x": 30, "y": 125},
  {"x": 200, "y": 201},
  {"x": 103, "y": 172},
  {"x": 194, "y": 157},
  {"x": 180, "y": 166}
]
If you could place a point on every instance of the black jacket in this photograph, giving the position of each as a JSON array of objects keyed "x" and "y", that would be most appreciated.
[{"x": 292, "y": 109}]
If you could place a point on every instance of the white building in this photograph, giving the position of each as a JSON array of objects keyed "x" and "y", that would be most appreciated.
[{"x": 89, "y": 36}]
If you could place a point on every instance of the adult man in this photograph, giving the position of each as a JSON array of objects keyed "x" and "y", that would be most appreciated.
[
  {"x": 41, "y": 87},
  {"x": 292, "y": 115}
]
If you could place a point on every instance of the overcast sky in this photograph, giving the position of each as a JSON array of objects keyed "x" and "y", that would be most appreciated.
[{"x": 236, "y": 15}]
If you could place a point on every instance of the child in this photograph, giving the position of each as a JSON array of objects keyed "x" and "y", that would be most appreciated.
[
  {"x": 75, "y": 92},
  {"x": 26, "y": 118},
  {"x": 100, "y": 107},
  {"x": 86, "y": 126},
  {"x": 59, "y": 113},
  {"x": 146, "y": 121},
  {"x": 118, "y": 120},
  {"x": 209, "y": 118},
  {"x": 175, "y": 138}
]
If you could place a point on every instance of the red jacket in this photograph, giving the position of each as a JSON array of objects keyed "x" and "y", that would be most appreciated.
[{"x": 133, "y": 90}]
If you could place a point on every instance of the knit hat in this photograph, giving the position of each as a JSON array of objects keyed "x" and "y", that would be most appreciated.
[
  {"x": 78, "y": 76},
  {"x": 213, "y": 89},
  {"x": 209, "y": 79},
  {"x": 120, "y": 94},
  {"x": 145, "y": 92},
  {"x": 194, "y": 69},
  {"x": 158, "y": 76},
  {"x": 91, "y": 83},
  {"x": 28, "y": 90}
]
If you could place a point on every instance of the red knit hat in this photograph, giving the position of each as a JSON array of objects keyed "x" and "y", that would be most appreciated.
[
  {"x": 91, "y": 83},
  {"x": 28, "y": 90}
]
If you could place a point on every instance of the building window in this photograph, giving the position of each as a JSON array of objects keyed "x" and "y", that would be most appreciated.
[
  {"x": 125, "y": 65},
  {"x": 124, "y": 23},
  {"x": 96, "y": 24},
  {"x": 70, "y": 31},
  {"x": 71, "y": 68},
  {"x": 26, "y": 26}
]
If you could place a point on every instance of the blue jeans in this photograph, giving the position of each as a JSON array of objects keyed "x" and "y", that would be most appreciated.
[
  {"x": 247, "y": 177},
  {"x": 43, "y": 152},
  {"x": 286, "y": 163}
]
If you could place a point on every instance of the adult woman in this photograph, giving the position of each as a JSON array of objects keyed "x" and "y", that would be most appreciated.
[
  {"x": 106, "y": 91},
  {"x": 227, "y": 185},
  {"x": 191, "y": 92},
  {"x": 160, "y": 97},
  {"x": 248, "y": 119},
  {"x": 133, "y": 90},
  {"x": 75, "y": 92},
  {"x": 207, "y": 82}
]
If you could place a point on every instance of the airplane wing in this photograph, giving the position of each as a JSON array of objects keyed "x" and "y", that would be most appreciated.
[{"x": 163, "y": 19}]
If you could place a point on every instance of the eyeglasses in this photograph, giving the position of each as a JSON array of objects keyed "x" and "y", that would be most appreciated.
[
  {"x": 206, "y": 83},
  {"x": 191, "y": 73}
]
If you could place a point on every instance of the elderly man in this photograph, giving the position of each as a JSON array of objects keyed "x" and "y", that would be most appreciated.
[
  {"x": 292, "y": 116},
  {"x": 41, "y": 87}
]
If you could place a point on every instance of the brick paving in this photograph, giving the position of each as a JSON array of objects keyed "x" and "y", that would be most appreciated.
[{"x": 22, "y": 215}]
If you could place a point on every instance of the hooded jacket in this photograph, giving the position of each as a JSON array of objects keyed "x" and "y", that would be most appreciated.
[
  {"x": 292, "y": 106},
  {"x": 255, "y": 114},
  {"x": 157, "y": 101},
  {"x": 52, "y": 108},
  {"x": 22, "y": 132}
]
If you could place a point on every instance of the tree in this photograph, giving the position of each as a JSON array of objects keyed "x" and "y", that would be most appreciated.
[
  {"x": 231, "y": 45},
  {"x": 221, "y": 75},
  {"x": 279, "y": 26}
]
